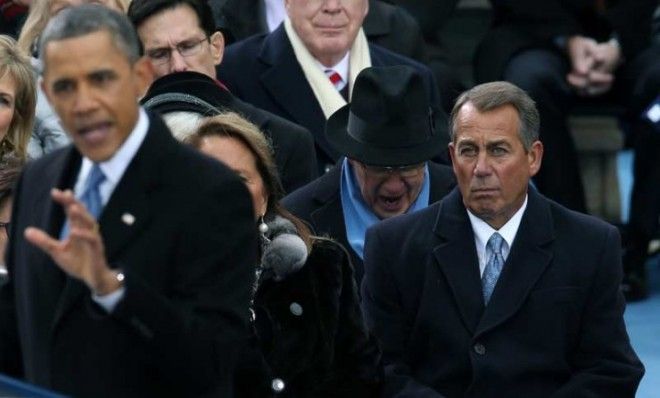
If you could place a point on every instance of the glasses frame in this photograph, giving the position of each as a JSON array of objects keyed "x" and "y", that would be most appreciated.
[
  {"x": 407, "y": 171},
  {"x": 184, "y": 52}
]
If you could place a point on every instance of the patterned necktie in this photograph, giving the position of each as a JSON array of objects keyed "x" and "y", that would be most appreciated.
[
  {"x": 335, "y": 79},
  {"x": 493, "y": 266},
  {"x": 91, "y": 196}
]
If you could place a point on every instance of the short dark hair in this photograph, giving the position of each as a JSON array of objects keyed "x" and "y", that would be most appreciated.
[
  {"x": 488, "y": 96},
  {"x": 90, "y": 18},
  {"x": 140, "y": 10}
]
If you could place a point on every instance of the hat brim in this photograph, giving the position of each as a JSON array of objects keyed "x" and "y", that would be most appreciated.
[{"x": 367, "y": 153}]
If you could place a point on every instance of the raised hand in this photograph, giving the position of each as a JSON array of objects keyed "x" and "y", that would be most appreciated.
[{"x": 81, "y": 254}]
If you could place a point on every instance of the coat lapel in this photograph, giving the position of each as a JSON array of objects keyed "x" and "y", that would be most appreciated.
[
  {"x": 282, "y": 80},
  {"x": 457, "y": 258},
  {"x": 128, "y": 212},
  {"x": 528, "y": 259},
  {"x": 329, "y": 210},
  {"x": 65, "y": 170}
]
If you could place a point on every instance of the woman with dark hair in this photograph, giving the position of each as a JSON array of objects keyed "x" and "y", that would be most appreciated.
[{"x": 310, "y": 338}]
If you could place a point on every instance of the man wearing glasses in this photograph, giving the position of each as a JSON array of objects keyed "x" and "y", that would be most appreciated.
[
  {"x": 181, "y": 36},
  {"x": 387, "y": 135}
]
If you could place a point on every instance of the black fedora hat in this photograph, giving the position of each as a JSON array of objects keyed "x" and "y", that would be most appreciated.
[
  {"x": 389, "y": 121},
  {"x": 188, "y": 92}
]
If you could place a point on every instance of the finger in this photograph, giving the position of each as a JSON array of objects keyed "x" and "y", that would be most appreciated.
[
  {"x": 42, "y": 240},
  {"x": 598, "y": 77},
  {"x": 90, "y": 236},
  {"x": 578, "y": 81},
  {"x": 583, "y": 64},
  {"x": 78, "y": 216},
  {"x": 63, "y": 197}
]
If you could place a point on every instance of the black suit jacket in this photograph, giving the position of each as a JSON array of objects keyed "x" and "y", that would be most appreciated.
[
  {"x": 553, "y": 326},
  {"x": 293, "y": 145},
  {"x": 263, "y": 70},
  {"x": 522, "y": 24},
  {"x": 386, "y": 25},
  {"x": 188, "y": 260},
  {"x": 319, "y": 204}
]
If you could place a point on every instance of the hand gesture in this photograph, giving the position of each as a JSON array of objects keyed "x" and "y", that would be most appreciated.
[{"x": 82, "y": 253}]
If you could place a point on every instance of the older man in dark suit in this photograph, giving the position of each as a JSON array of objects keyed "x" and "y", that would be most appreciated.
[
  {"x": 496, "y": 291},
  {"x": 386, "y": 172},
  {"x": 386, "y": 25},
  {"x": 131, "y": 257},
  {"x": 305, "y": 69}
]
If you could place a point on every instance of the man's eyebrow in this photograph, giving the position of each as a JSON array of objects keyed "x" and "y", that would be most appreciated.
[
  {"x": 466, "y": 141},
  {"x": 498, "y": 142}
]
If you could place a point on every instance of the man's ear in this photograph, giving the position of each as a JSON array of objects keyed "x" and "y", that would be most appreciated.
[
  {"x": 144, "y": 75},
  {"x": 535, "y": 158},
  {"x": 217, "y": 41},
  {"x": 452, "y": 155}
]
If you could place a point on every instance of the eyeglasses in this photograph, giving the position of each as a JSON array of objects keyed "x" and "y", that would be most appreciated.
[
  {"x": 186, "y": 48},
  {"x": 410, "y": 171},
  {"x": 5, "y": 226}
]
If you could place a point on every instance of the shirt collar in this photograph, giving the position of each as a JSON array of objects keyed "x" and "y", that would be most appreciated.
[
  {"x": 483, "y": 231},
  {"x": 113, "y": 168},
  {"x": 341, "y": 67}
]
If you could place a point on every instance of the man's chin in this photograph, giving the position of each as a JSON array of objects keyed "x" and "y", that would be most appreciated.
[{"x": 384, "y": 213}]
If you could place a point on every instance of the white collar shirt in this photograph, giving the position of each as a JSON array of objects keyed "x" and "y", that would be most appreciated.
[
  {"x": 483, "y": 231},
  {"x": 113, "y": 169}
]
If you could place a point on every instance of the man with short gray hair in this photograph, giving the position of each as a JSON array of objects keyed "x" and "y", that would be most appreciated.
[
  {"x": 131, "y": 257},
  {"x": 496, "y": 291}
]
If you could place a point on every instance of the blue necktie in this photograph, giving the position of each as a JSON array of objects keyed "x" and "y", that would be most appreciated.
[
  {"x": 91, "y": 196},
  {"x": 493, "y": 266}
]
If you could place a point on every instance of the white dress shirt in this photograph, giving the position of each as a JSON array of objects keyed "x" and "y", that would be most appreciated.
[
  {"x": 113, "y": 170},
  {"x": 483, "y": 232}
]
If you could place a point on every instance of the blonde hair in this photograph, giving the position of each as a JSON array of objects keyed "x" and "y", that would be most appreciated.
[
  {"x": 17, "y": 65},
  {"x": 38, "y": 18},
  {"x": 232, "y": 125},
  {"x": 35, "y": 23},
  {"x": 123, "y": 5}
]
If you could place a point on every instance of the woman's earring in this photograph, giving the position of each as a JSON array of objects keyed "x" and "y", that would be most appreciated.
[{"x": 263, "y": 229}]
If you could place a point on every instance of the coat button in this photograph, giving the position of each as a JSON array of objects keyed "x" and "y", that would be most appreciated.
[
  {"x": 277, "y": 385},
  {"x": 296, "y": 309},
  {"x": 479, "y": 349},
  {"x": 327, "y": 167}
]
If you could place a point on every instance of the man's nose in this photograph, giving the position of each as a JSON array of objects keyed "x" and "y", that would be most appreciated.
[
  {"x": 85, "y": 100},
  {"x": 393, "y": 183},
  {"x": 177, "y": 62},
  {"x": 482, "y": 166},
  {"x": 331, "y": 5}
]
